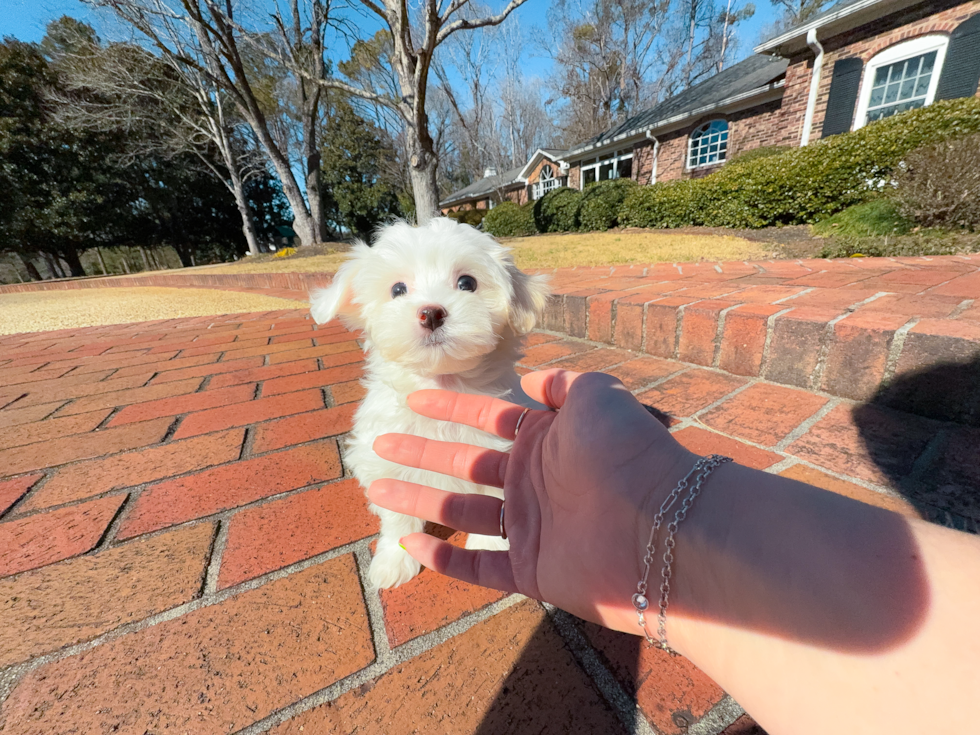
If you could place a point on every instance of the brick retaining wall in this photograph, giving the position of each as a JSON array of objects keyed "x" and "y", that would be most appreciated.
[{"x": 844, "y": 327}]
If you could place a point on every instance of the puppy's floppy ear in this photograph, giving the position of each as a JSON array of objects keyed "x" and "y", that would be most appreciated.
[
  {"x": 338, "y": 298},
  {"x": 530, "y": 297}
]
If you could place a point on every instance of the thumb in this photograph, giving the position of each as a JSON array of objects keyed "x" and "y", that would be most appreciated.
[{"x": 549, "y": 387}]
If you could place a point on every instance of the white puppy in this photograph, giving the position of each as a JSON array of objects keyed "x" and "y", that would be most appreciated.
[{"x": 441, "y": 306}]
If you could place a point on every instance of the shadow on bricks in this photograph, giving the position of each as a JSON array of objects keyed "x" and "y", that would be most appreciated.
[{"x": 931, "y": 450}]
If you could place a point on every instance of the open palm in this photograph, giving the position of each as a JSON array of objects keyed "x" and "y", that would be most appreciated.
[{"x": 581, "y": 487}]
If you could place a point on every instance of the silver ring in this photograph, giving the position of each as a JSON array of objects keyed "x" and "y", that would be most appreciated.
[
  {"x": 503, "y": 533},
  {"x": 520, "y": 420}
]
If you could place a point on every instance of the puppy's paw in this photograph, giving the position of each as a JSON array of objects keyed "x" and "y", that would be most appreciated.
[
  {"x": 487, "y": 543},
  {"x": 391, "y": 566}
]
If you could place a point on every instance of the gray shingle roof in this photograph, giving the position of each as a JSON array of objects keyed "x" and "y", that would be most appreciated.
[
  {"x": 753, "y": 73},
  {"x": 483, "y": 187}
]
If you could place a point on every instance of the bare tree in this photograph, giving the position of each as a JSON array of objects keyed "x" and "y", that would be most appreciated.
[
  {"x": 176, "y": 109},
  {"x": 799, "y": 11},
  {"x": 612, "y": 58},
  {"x": 414, "y": 39},
  {"x": 205, "y": 36}
]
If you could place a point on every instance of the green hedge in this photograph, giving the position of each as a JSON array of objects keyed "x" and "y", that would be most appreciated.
[
  {"x": 469, "y": 216},
  {"x": 599, "y": 209},
  {"x": 557, "y": 211},
  {"x": 509, "y": 220},
  {"x": 804, "y": 184}
]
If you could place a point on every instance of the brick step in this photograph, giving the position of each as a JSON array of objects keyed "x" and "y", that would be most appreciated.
[{"x": 900, "y": 332}]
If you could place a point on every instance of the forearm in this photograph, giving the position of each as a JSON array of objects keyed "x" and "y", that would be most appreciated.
[{"x": 817, "y": 612}]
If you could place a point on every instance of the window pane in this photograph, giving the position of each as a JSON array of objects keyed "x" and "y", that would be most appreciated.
[
  {"x": 605, "y": 172},
  {"x": 901, "y": 86},
  {"x": 626, "y": 168},
  {"x": 588, "y": 176}
]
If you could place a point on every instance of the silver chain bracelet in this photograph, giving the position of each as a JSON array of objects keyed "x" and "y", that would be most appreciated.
[{"x": 704, "y": 467}]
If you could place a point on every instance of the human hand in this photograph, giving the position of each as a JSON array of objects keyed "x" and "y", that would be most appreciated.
[{"x": 581, "y": 487}]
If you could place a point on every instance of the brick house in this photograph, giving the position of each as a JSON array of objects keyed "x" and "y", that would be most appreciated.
[
  {"x": 859, "y": 61},
  {"x": 542, "y": 173}
]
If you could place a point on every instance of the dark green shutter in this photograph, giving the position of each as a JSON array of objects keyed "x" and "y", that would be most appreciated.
[
  {"x": 960, "y": 75},
  {"x": 844, "y": 87}
]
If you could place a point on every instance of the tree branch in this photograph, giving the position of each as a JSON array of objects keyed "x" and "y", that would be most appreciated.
[{"x": 465, "y": 24}]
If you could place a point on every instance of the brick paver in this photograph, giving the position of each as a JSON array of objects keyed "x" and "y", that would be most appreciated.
[{"x": 180, "y": 547}]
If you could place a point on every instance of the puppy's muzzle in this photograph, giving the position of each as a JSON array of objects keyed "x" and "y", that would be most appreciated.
[{"x": 432, "y": 317}]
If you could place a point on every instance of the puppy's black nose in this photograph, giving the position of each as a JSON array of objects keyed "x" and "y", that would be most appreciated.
[{"x": 432, "y": 317}]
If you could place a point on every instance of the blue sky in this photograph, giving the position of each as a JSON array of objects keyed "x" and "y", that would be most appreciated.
[{"x": 25, "y": 20}]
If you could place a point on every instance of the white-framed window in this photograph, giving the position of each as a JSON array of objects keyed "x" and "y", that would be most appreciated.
[
  {"x": 618, "y": 165},
  {"x": 546, "y": 181},
  {"x": 902, "y": 77},
  {"x": 708, "y": 144}
]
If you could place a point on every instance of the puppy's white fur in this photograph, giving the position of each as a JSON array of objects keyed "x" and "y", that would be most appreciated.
[{"x": 474, "y": 351}]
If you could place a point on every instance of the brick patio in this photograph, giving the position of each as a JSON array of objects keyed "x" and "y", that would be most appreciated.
[{"x": 181, "y": 547}]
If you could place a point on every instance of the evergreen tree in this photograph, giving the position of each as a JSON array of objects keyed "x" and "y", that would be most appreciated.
[{"x": 358, "y": 193}]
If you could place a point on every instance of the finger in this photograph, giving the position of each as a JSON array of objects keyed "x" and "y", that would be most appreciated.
[
  {"x": 482, "y": 466},
  {"x": 481, "y": 412},
  {"x": 470, "y": 513},
  {"x": 549, "y": 387},
  {"x": 485, "y": 568}
]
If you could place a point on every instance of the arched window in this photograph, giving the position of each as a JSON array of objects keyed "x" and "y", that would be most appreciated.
[
  {"x": 708, "y": 144},
  {"x": 902, "y": 77},
  {"x": 546, "y": 181}
]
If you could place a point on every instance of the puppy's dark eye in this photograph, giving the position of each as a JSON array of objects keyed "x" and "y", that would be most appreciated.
[
  {"x": 399, "y": 289},
  {"x": 466, "y": 283}
]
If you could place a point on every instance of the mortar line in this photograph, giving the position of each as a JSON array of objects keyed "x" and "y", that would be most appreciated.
[
  {"x": 895, "y": 349},
  {"x": 375, "y": 611},
  {"x": 719, "y": 335},
  {"x": 714, "y": 404},
  {"x": 960, "y": 308},
  {"x": 215, "y": 558},
  {"x": 806, "y": 425},
  {"x": 588, "y": 659},
  {"x": 202, "y": 601},
  {"x": 715, "y": 720},
  {"x": 770, "y": 331},
  {"x": 373, "y": 671}
]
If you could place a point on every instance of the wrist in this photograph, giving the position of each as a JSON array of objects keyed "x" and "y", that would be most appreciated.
[{"x": 671, "y": 527}]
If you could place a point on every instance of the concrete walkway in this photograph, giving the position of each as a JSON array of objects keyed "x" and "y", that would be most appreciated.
[{"x": 181, "y": 548}]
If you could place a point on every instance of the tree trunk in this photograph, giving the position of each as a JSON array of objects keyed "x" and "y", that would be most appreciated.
[
  {"x": 30, "y": 268},
  {"x": 53, "y": 266},
  {"x": 315, "y": 196},
  {"x": 248, "y": 223},
  {"x": 98, "y": 253},
  {"x": 302, "y": 222},
  {"x": 70, "y": 256},
  {"x": 425, "y": 190}
]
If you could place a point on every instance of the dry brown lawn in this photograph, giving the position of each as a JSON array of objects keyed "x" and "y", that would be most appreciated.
[
  {"x": 556, "y": 251},
  {"x": 42, "y": 311}
]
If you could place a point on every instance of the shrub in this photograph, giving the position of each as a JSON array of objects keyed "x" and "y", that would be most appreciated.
[
  {"x": 557, "y": 211},
  {"x": 285, "y": 253},
  {"x": 599, "y": 209},
  {"x": 939, "y": 185},
  {"x": 877, "y": 217},
  {"x": 509, "y": 220},
  {"x": 804, "y": 184},
  {"x": 763, "y": 152},
  {"x": 469, "y": 216}
]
